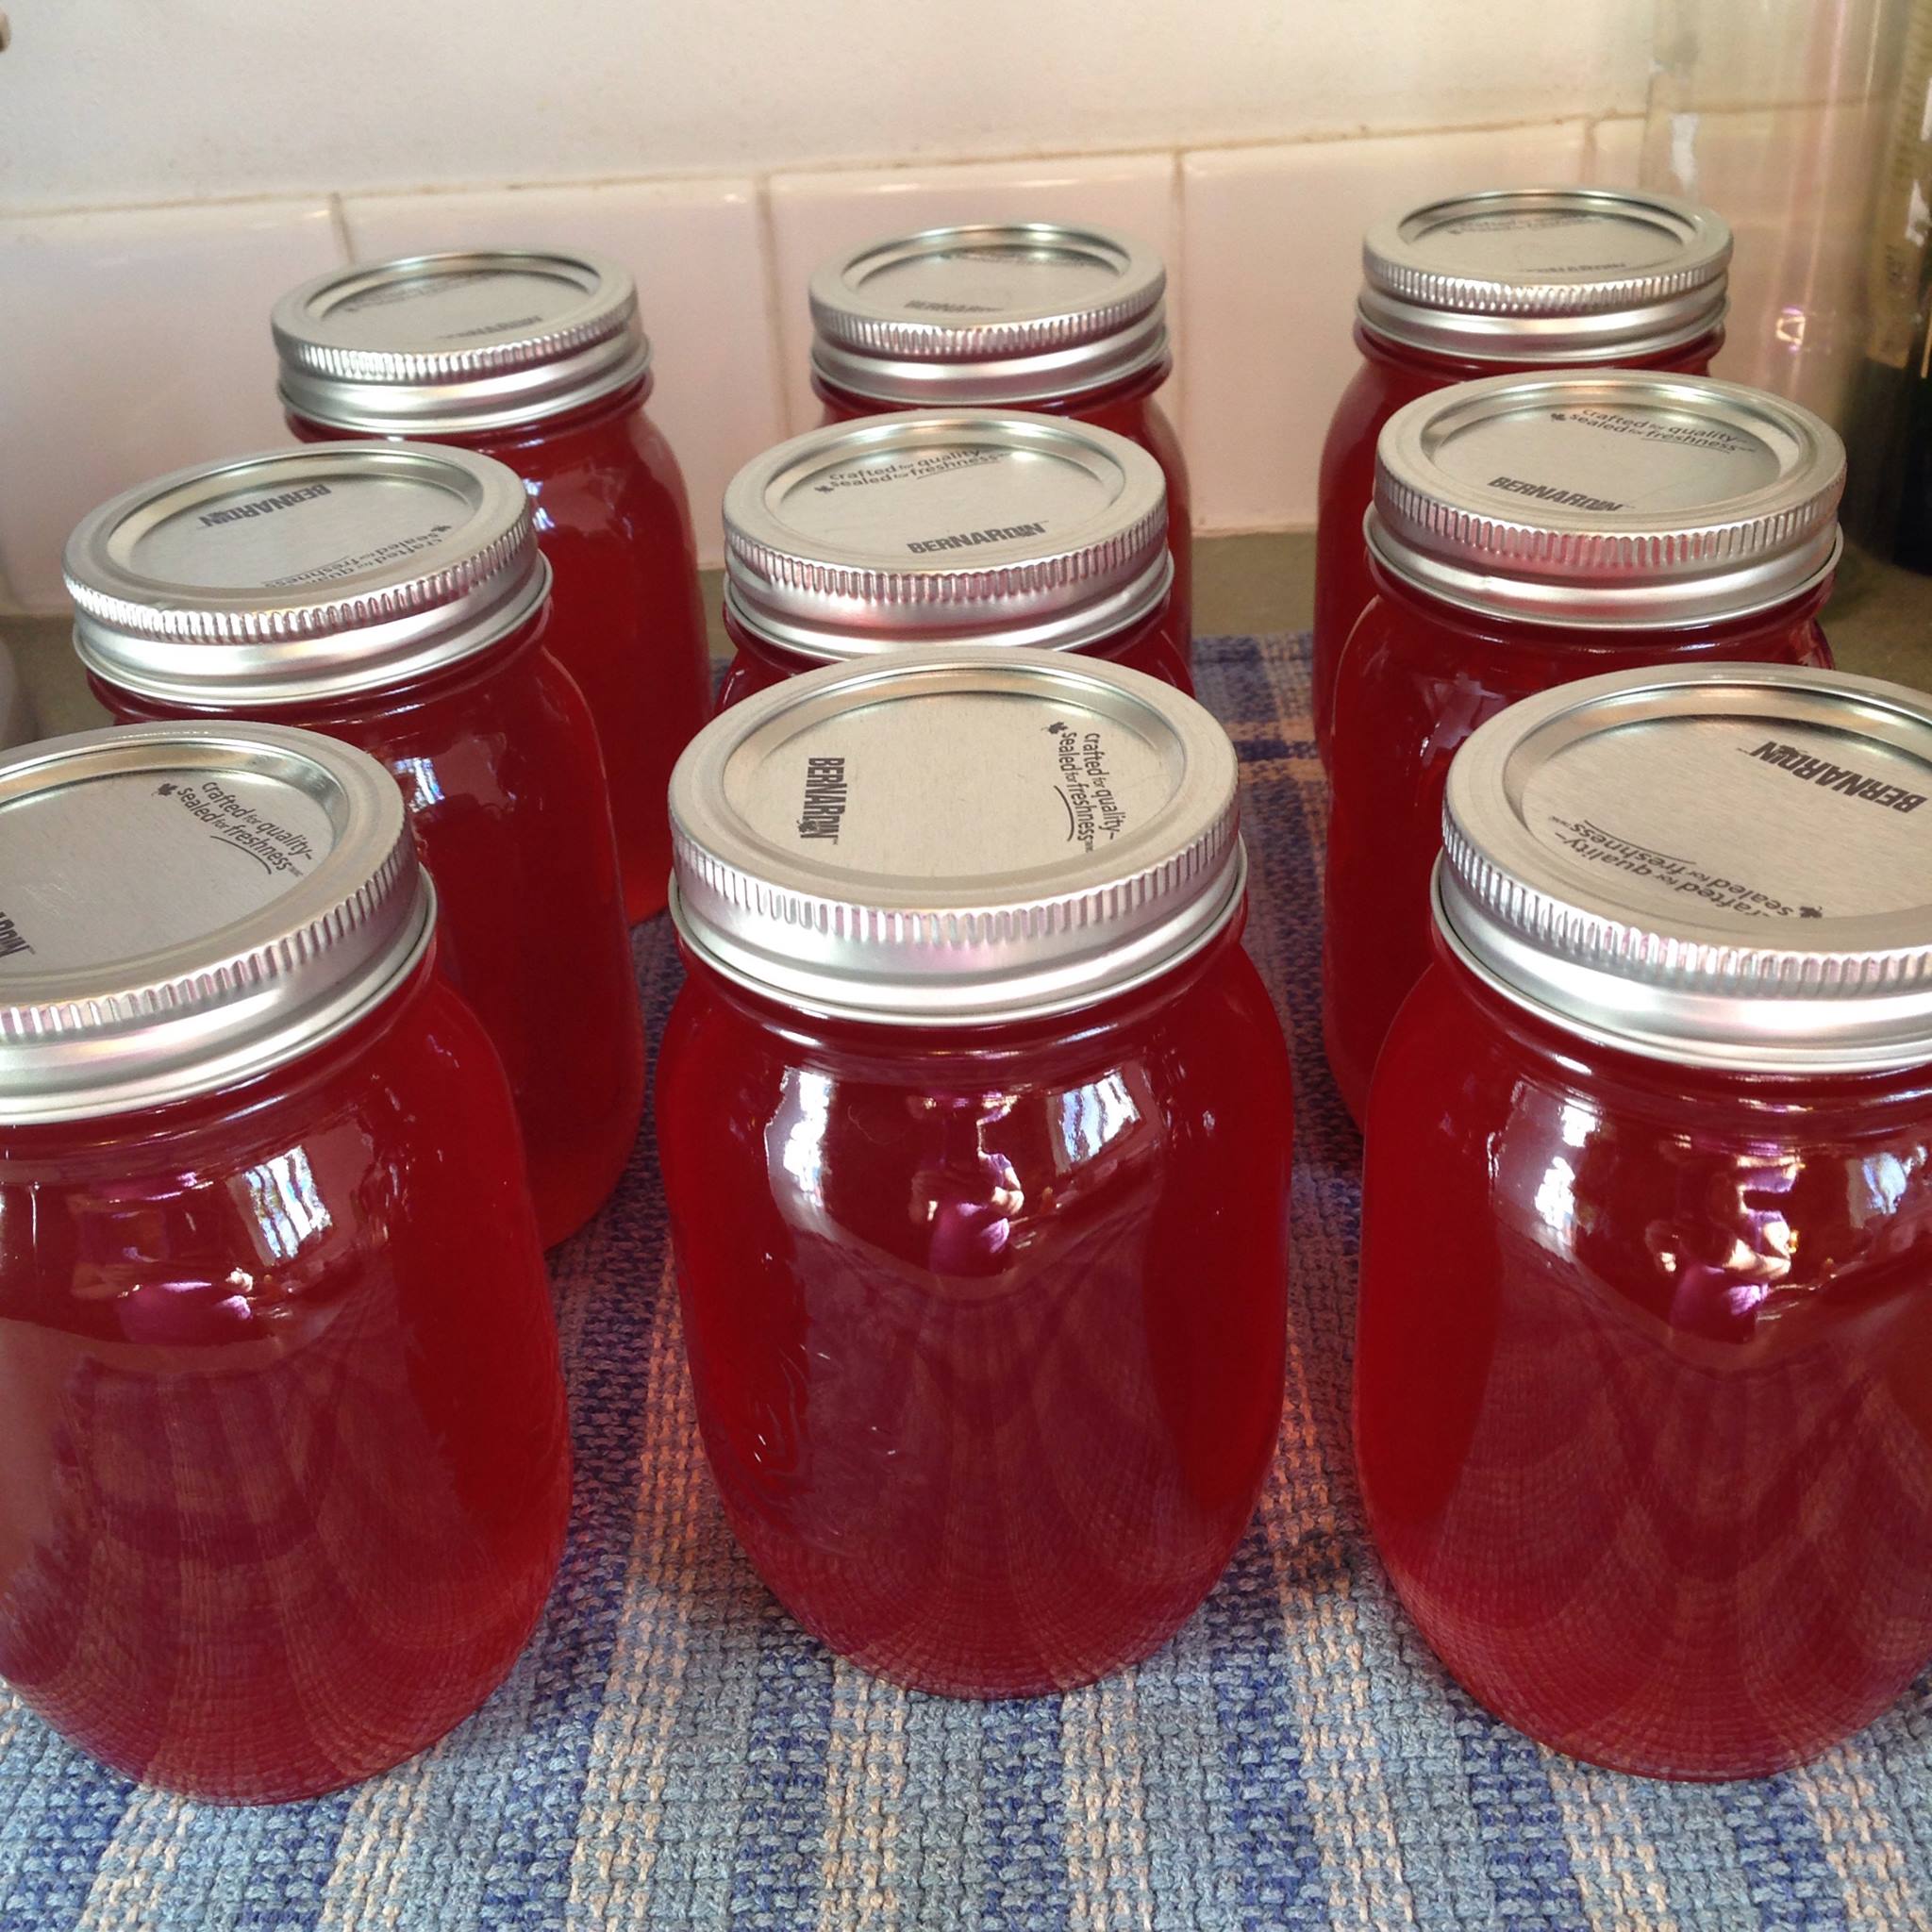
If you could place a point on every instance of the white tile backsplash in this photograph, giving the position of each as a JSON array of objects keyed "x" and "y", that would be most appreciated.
[
  {"x": 696, "y": 249},
  {"x": 815, "y": 216},
  {"x": 1614, "y": 151},
  {"x": 1792, "y": 182},
  {"x": 135, "y": 342},
  {"x": 1274, "y": 256}
]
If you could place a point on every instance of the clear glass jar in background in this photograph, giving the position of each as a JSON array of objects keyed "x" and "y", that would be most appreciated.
[
  {"x": 394, "y": 597},
  {"x": 1529, "y": 531},
  {"x": 976, "y": 1127},
  {"x": 1045, "y": 316},
  {"x": 537, "y": 357},
  {"x": 932, "y": 526},
  {"x": 1482, "y": 284},
  {"x": 284, "y": 1470},
  {"x": 1643, "y": 1364},
  {"x": 1786, "y": 118},
  {"x": 16, "y": 718}
]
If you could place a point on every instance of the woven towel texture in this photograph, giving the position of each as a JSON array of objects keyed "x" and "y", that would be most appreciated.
[{"x": 672, "y": 1752}]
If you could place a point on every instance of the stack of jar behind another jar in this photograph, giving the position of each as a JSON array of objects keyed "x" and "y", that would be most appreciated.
[
  {"x": 1528, "y": 531},
  {"x": 1644, "y": 1375},
  {"x": 535, "y": 356},
  {"x": 394, "y": 597},
  {"x": 1477, "y": 284},
  {"x": 1065, "y": 319}
]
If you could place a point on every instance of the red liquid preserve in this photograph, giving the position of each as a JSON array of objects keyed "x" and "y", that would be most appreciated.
[
  {"x": 1508, "y": 280},
  {"x": 1643, "y": 1366},
  {"x": 433, "y": 659},
  {"x": 1062, "y": 319},
  {"x": 948, "y": 527},
  {"x": 947, "y": 1173},
  {"x": 552, "y": 379},
  {"x": 1489, "y": 591},
  {"x": 286, "y": 1467}
]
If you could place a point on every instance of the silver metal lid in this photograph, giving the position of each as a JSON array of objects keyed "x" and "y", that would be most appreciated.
[
  {"x": 304, "y": 572},
  {"x": 478, "y": 338},
  {"x": 958, "y": 835},
  {"x": 997, "y": 312},
  {"x": 1608, "y": 497},
  {"x": 1548, "y": 274},
  {"x": 183, "y": 906},
  {"x": 930, "y": 524},
  {"x": 1725, "y": 865}
]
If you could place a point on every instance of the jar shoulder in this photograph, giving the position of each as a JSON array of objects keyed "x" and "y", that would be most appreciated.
[
  {"x": 221, "y": 1215},
  {"x": 903, "y": 1138},
  {"x": 1718, "y": 1205}
]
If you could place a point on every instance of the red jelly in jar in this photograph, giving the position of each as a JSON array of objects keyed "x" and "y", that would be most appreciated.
[
  {"x": 283, "y": 1463},
  {"x": 1643, "y": 1372},
  {"x": 394, "y": 597},
  {"x": 1511, "y": 278},
  {"x": 1022, "y": 315},
  {"x": 939, "y": 526},
  {"x": 537, "y": 357},
  {"x": 975, "y": 1121},
  {"x": 1527, "y": 531}
]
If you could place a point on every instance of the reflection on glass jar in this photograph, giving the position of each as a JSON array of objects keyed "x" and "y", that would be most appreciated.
[
  {"x": 980, "y": 1211},
  {"x": 283, "y": 1465},
  {"x": 1642, "y": 1403}
]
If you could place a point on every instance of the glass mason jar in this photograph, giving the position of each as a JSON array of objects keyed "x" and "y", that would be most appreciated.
[
  {"x": 535, "y": 357},
  {"x": 1069, "y": 320},
  {"x": 1526, "y": 531},
  {"x": 394, "y": 597},
  {"x": 1505, "y": 280},
  {"x": 1643, "y": 1370},
  {"x": 948, "y": 527},
  {"x": 970, "y": 1089},
  {"x": 284, "y": 1470}
]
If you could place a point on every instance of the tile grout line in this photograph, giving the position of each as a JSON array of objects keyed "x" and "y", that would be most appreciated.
[{"x": 762, "y": 179}]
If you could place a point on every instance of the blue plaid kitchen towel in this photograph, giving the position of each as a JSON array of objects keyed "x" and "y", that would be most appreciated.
[{"x": 672, "y": 1752}]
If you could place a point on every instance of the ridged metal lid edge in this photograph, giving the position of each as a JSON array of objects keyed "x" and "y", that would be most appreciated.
[
  {"x": 208, "y": 1012},
  {"x": 1553, "y": 314},
  {"x": 219, "y": 644},
  {"x": 485, "y": 385},
  {"x": 915, "y": 953},
  {"x": 1858, "y": 998}
]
